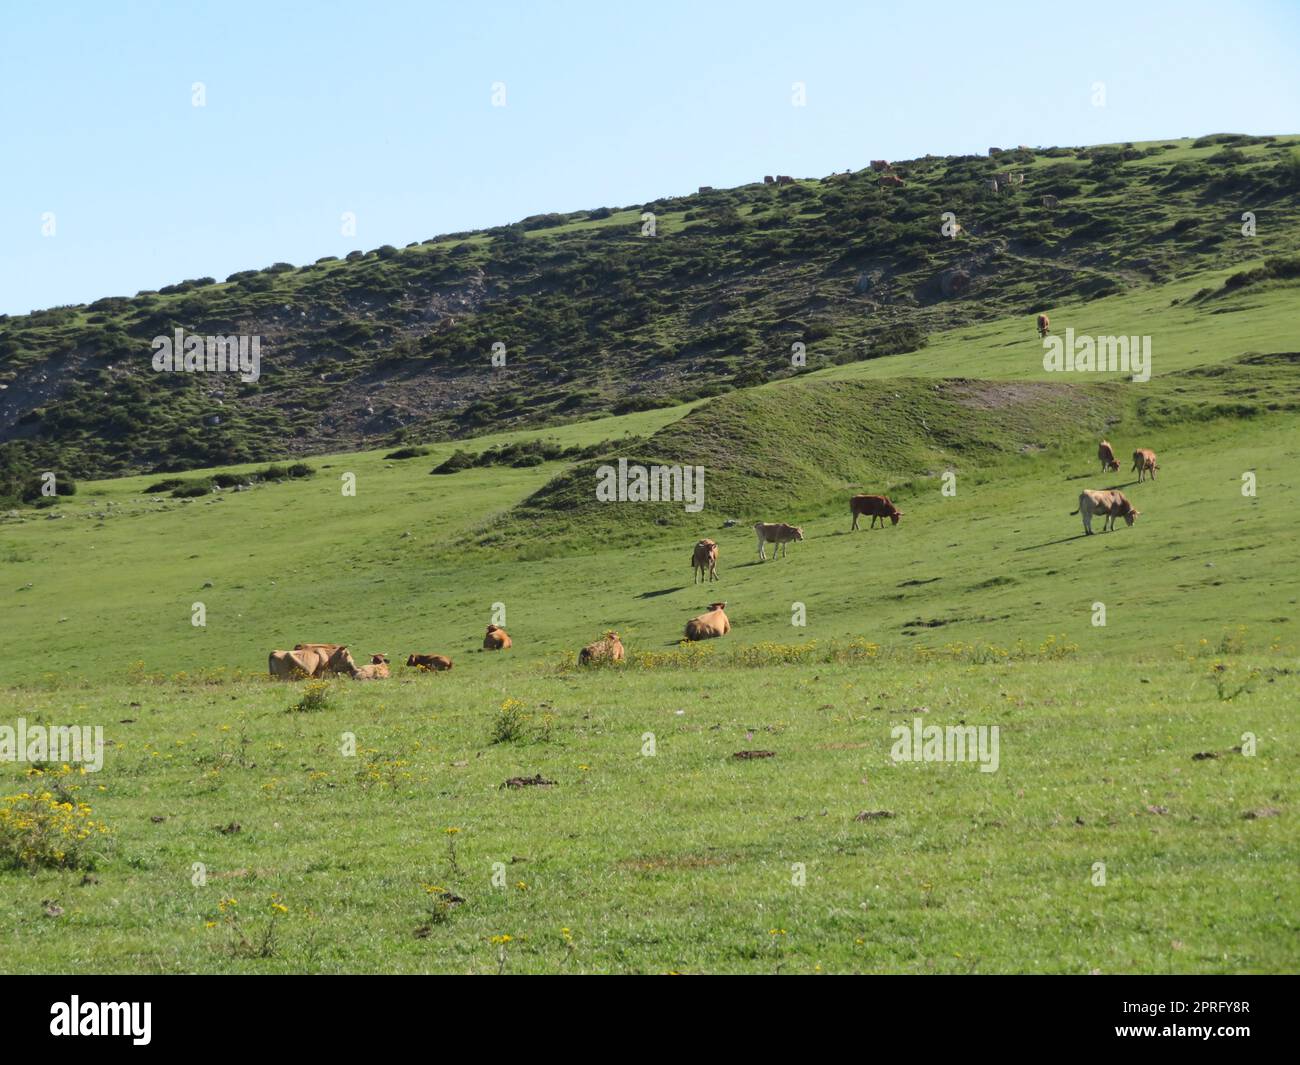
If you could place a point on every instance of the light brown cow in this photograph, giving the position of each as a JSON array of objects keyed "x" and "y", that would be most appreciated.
[
  {"x": 497, "y": 639},
  {"x": 1044, "y": 325},
  {"x": 1107, "y": 456},
  {"x": 776, "y": 533},
  {"x": 607, "y": 649},
  {"x": 377, "y": 669},
  {"x": 710, "y": 625},
  {"x": 1144, "y": 461},
  {"x": 704, "y": 559},
  {"x": 326, "y": 647},
  {"x": 291, "y": 665},
  {"x": 877, "y": 506},
  {"x": 890, "y": 180},
  {"x": 1111, "y": 504},
  {"x": 428, "y": 662},
  {"x": 879, "y": 164}
]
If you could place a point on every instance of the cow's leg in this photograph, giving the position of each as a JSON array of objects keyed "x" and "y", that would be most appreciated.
[{"x": 855, "y": 521}]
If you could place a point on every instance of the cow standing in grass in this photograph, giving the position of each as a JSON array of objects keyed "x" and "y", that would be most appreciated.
[
  {"x": 293, "y": 665},
  {"x": 778, "y": 534},
  {"x": 1044, "y": 325},
  {"x": 1144, "y": 462},
  {"x": 877, "y": 506},
  {"x": 1109, "y": 463},
  {"x": 1110, "y": 504},
  {"x": 704, "y": 559}
]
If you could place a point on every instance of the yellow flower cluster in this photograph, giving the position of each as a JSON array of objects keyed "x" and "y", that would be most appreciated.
[{"x": 37, "y": 830}]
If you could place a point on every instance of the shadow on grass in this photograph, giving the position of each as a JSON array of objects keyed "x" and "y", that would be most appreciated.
[{"x": 661, "y": 591}]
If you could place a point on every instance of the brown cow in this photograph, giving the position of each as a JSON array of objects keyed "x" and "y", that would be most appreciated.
[
  {"x": 890, "y": 180},
  {"x": 704, "y": 558},
  {"x": 1044, "y": 325},
  {"x": 877, "y": 506},
  {"x": 1144, "y": 461},
  {"x": 1111, "y": 504},
  {"x": 497, "y": 639},
  {"x": 607, "y": 649},
  {"x": 290, "y": 665},
  {"x": 778, "y": 534},
  {"x": 710, "y": 625},
  {"x": 428, "y": 662},
  {"x": 1107, "y": 456},
  {"x": 879, "y": 164}
]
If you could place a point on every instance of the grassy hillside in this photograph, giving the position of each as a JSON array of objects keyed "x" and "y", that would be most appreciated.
[{"x": 394, "y": 344}]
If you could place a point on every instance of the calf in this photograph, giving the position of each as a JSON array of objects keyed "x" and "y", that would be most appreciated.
[
  {"x": 607, "y": 649},
  {"x": 1110, "y": 504},
  {"x": 778, "y": 534},
  {"x": 877, "y": 506},
  {"x": 428, "y": 662},
  {"x": 376, "y": 669},
  {"x": 704, "y": 559},
  {"x": 497, "y": 639},
  {"x": 1144, "y": 461},
  {"x": 1044, "y": 325}
]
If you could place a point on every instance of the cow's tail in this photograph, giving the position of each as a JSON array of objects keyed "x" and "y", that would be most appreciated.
[{"x": 1074, "y": 512}]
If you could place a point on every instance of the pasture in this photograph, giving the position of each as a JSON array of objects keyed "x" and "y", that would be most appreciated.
[{"x": 653, "y": 848}]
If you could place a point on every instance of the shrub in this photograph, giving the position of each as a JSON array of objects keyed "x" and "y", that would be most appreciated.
[
  {"x": 315, "y": 696},
  {"x": 510, "y": 722},
  {"x": 898, "y": 339},
  {"x": 190, "y": 491},
  {"x": 37, "y": 830},
  {"x": 407, "y": 453},
  {"x": 33, "y": 490},
  {"x": 457, "y": 461}
]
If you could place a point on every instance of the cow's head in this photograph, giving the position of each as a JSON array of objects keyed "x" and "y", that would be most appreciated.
[
  {"x": 341, "y": 661},
  {"x": 1131, "y": 516},
  {"x": 798, "y": 532},
  {"x": 1113, "y": 464},
  {"x": 611, "y": 635},
  {"x": 491, "y": 629},
  {"x": 717, "y": 606},
  {"x": 379, "y": 660},
  {"x": 894, "y": 515},
  {"x": 410, "y": 660}
]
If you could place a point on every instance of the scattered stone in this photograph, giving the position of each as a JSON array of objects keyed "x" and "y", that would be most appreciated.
[
  {"x": 873, "y": 815},
  {"x": 754, "y": 754},
  {"x": 538, "y": 781}
]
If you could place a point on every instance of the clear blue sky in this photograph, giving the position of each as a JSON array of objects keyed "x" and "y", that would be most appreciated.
[{"x": 385, "y": 109}]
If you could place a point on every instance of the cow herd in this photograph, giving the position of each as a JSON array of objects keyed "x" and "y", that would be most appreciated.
[{"x": 328, "y": 659}]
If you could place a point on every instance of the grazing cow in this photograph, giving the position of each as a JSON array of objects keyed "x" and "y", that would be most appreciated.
[
  {"x": 879, "y": 164},
  {"x": 428, "y": 662},
  {"x": 377, "y": 669},
  {"x": 1107, "y": 456},
  {"x": 877, "y": 506},
  {"x": 768, "y": 179},
  {"x": 784, "y": 179},
  {"x": 1051, "y": 202},
  {"x": 1144, "y": 461},
  {"x": 778, "y": 534},
  {"x": 890, "y": 180},
  {"x": 607, "y": 649},
  {"x": 709, "y": 626},
  {"x": 1044, "y": 325},
  {"x": 290, "y": 665},
  {"x": 497, "y": 639},
  {"x": 704, "y": 558},
  {"x": 1111, "y": 504}
]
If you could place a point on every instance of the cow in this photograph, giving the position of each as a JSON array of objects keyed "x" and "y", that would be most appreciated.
[
  {"x": 879, "y": 164},
  {"x": 1051, "y": 202},
  {"x": 1107, "y": 456},
  {"x": 710, "y": 625},
  {"x": 768, "y": 179},
  {"x": 1144, "y": 461},
  {"x": 784, "y": 179},
  {"x": 705, "y": 188},
  {"x": 1044, "y": 325},
  {"x": 290, "y": 665},
  {"x": 1111, "y": 504},
  {"x": 890, "y": 181},
  {"x": 607, "y": 649},
  {"x": 778, "y": 534},
  {"x": 497, "y": 639},
  {"x": 376, "y": 669},
  {"x": 326, "y": 647},
  {"x": 877, "y": 506},
  {"x": 704, "y": 559},
  {"x": 428, "y": 662}
]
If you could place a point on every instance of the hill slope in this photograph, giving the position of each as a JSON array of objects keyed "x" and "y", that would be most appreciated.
[{"x": 395, "y": 344}]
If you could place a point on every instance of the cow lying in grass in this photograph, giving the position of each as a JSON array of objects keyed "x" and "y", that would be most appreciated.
[
  {"x": 295, "y": 664},
  {"x": 877, "y": 506},
  {"x": 1144, "y": 462},
  {"x": 709, "y": 626},
  {"x": 429, "y": 662},
  {"x": 607, "y": 649},
  {"x": 1109, "y": 463},
  {"x": 1111, "y": 505},
  {"x": 497, "y": 639},
  {"x": 704, "y": 559},
  {"x": 778, "y": 534},
  {"x": 377, "y": 669}
]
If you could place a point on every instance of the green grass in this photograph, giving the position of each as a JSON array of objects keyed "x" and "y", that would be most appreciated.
[{"x": 978, "y": 609}]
